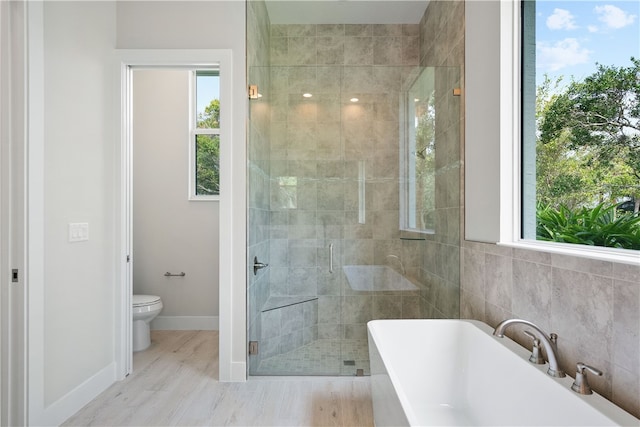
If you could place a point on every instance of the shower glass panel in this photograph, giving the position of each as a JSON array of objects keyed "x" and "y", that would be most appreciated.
[{"x": 325, "y": 178}]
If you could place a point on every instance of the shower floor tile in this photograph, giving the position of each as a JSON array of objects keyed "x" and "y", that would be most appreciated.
[{"x": 320, "y": 357}]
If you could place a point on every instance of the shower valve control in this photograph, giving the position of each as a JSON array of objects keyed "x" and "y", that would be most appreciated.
[{"x": 257, "y": 265}]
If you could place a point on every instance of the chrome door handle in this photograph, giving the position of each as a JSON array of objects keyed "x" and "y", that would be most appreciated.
[
  {"x": 258, "y": 265},
  {"x": 331, "y": 258}
]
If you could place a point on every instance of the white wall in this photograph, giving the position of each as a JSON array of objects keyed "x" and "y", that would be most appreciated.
[
  {"x": 170, "y": 233},
  {"x": 482, "y": 121},
  {"x": 72, "y": 327},
  {"x": 71, "y": 286}
]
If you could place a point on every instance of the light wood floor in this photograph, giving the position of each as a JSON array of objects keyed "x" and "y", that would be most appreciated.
[{"x": 175, "y": 383}]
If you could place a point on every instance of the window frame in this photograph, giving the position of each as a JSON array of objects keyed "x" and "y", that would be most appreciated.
[
  {"x": 194, "y": 131},
  {"x": 408, "y": 183},
  {"x": 511, "y": 167}
]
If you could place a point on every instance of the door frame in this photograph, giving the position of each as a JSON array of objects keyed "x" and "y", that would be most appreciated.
[
  {"x": 232, "y": 192},
  {"x": 14, "y": 68}
]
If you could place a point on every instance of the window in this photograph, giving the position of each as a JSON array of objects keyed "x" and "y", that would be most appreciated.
[
  {"x": 417, "y": 155},
  {"x": 205, "y": 136},
  {"x": 581, "y": 122}
]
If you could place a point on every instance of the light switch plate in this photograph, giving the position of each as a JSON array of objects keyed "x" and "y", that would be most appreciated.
[{"x": 78, "y": 231}]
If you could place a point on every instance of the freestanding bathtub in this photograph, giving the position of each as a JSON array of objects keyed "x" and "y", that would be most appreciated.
[{"x": 456, "y": 373}]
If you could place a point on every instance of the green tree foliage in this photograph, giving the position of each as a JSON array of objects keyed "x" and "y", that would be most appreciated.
[
  {"x": 208, "y": 151},
  {"x": 561, "y": 177},
  {"x": 210, "y": 118},
  {"x": 589, "y": 138},
  {"x": 207, "y": 165},
  {"x": 588, "y": 158},
  {"x": 425, "y": 161},
  {"x": 599, "y": 226}
]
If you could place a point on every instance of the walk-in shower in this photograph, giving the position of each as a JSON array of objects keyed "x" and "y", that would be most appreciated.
[{"x": 354, "y": 184}]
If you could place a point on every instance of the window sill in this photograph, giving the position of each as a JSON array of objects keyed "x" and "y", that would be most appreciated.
[
  {"x": 204, "y": 198},
  {"x": 624, "y": 256}
]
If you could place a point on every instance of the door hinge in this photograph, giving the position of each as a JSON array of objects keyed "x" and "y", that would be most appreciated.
[
  {"x": 128, "y": 258},
  {"x": 253, "y": 347},
  {"x": 14, "y": 275},
  {"x": 253, "y": 92}
]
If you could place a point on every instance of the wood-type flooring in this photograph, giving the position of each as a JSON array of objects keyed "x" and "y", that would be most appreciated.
[{"x": 174, "y": 383}]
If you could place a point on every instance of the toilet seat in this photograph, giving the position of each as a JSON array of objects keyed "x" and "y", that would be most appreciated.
[{"x": 145, "y": 300}]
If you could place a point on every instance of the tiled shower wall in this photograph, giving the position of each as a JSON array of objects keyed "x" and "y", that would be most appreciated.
[
  {"x": 318, "y": 146},
  {"x": 442, "y": 46}
]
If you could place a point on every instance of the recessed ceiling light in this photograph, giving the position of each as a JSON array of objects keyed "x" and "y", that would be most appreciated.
[
  {"x": 354, "y": 100},
  {"x": 307, "y": 95}
]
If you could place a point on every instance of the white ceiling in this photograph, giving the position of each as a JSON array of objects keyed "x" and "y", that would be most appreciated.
[{"x": 346, "y": 11}]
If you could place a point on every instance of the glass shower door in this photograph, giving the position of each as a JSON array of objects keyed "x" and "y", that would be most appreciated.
[
  {"x": 296, "y": 162},
  {"x": 328, "y": 143},
  {"x": 354, "y": 185}
]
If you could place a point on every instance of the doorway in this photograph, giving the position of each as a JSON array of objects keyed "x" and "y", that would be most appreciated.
[
  {"x": 175, "y": 202},
  {"x": 231, "y": 265}
]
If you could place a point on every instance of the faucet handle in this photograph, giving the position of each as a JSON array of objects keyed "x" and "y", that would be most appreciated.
[
  {"x": 581, "y": 385},
  {"x": 536, "y": 356}
]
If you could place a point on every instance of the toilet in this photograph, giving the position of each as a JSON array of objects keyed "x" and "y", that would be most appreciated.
[{"x": 145, "y": 309}]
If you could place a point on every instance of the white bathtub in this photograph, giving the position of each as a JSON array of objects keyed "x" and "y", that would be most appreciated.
[{"x": 455, "y": 372}]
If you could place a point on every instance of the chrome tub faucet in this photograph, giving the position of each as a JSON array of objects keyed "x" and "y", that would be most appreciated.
[{"x": 548, "y": 342}]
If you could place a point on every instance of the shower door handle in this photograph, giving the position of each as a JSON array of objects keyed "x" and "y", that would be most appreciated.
[
  {"x": 331, "y": 258},
  {"x": 258, "y": 265}
]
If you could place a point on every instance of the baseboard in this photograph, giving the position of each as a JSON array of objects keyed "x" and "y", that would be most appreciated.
[
  {"x": 185, "y": 323},
  {"x": 238, "y": 371},
  {"x": 59, "y": 411}
]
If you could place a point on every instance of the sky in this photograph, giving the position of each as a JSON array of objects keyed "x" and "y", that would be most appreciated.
[
  {"x": 571, "y": 36},
  {"x": 207, "y": 88}
]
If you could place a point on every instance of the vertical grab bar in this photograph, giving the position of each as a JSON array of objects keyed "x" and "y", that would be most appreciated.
[{"x": 331, "y": 258}]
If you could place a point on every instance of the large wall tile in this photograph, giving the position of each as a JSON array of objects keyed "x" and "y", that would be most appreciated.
[
  {"x": 532, "y": 291},
  {"x": 628, "y": 272},
  {"x": 387, "y": 29},
  {"x": 387, "y": 50},
  {"x": 582, "y": 309},
  {"x": 357, "y": 309},
  {"x": 358, "y": 50},
  {"x": 498, "y": 283},
  {"x": 626, "y": 390},
  {"x": 330, "y": 50},
  {"x": 586, "y": 265},
  {"x": 472, "y": 306},
  {"x": 626, "y": 326}
]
